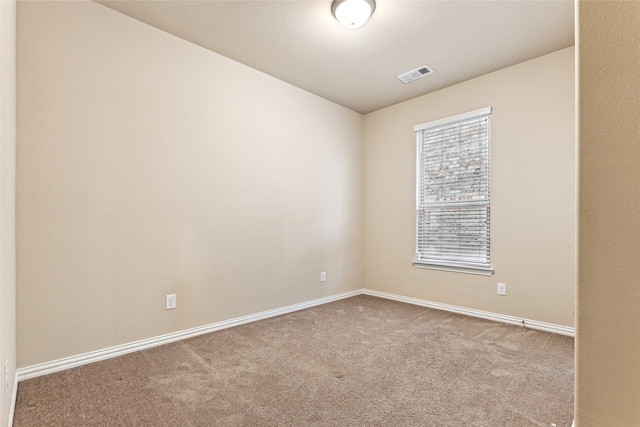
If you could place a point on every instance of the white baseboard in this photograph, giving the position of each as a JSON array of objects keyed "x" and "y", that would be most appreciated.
[
  {"x": 119, "y": 350},
  {"x": 532, "y": 324},
  {"x": 14, "y": 395}
]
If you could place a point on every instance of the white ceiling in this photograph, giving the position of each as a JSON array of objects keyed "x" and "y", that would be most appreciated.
[{"x": 300, "y": 42}]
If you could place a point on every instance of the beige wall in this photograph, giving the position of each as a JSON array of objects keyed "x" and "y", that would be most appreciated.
[
  {"x": 148, "y": 166},
  {"x": 608, "y": 303},
  {"x": 533, "y": 193},
  {"x": 7, "y": 203}
]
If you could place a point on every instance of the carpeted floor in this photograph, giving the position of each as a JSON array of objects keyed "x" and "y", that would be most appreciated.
[{"x": 361, "y": 361}]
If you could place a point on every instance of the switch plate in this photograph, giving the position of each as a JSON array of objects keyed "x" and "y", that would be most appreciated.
[
  {"x": 6, "y": 376},
  {"x": 170, "y": 302},
  {"x": 502, "y": 289},
  {"x": 323, "y": 276}
]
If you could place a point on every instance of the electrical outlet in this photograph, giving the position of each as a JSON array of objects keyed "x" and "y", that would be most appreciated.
[
  {"x": 502, "y": 289},
  {"x": 171, "y": 301},
  {"x": 323, "y": 276},
  {"x": 6, "y": 376}
]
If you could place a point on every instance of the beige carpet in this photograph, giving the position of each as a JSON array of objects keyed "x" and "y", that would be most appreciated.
[{"x": 361, "y": 361}]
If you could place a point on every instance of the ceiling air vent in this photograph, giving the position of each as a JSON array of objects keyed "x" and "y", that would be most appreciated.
[{"x": 415, "y": 74}]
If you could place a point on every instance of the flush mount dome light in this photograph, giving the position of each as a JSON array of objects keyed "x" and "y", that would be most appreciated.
[{"x": 353, "y": 13}]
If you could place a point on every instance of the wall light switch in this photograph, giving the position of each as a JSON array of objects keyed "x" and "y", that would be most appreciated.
[
  {"x": 323, "y": 276},
  {"x": 170, "y": 301}
]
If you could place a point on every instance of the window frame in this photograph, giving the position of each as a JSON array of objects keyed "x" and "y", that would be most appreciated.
[{"x": 483, "y": 268}]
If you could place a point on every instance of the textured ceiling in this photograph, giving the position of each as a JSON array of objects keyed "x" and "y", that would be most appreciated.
[{"x": 300, "y": 42}]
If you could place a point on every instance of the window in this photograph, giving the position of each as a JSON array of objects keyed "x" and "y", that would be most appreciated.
[{"x": 453, "y": 193}]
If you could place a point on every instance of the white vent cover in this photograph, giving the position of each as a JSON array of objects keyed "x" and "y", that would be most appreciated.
[{"x": 415, "y": 74}]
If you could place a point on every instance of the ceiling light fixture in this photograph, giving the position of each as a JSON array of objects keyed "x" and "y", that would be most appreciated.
[{"x": 353, "y": 13}]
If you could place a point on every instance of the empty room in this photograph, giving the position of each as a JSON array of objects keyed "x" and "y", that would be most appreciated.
[{"x": 319, "y": 213}]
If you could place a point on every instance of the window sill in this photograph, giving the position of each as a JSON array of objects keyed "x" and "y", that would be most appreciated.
[{"x": 483, "y": 271}]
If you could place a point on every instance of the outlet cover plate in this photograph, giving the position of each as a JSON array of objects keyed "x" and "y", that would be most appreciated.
[
  {"x": 502, "y": 289},
  {"x": 170, "y": 302}
]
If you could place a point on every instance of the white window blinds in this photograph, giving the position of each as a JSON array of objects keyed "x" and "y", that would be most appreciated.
[{"x": 453, "y": 200}]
